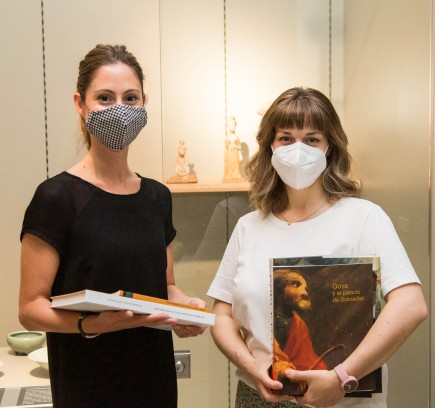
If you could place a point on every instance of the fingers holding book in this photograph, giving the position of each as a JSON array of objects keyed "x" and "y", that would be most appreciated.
[
  {"x": 109, "y": 321},
  {"x": 184, "y": 331}
]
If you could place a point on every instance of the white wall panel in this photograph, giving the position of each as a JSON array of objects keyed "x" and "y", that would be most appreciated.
[
  {"x": 22, "y": 162},
  {"x": 387, "y": 111},
  {"x": 193, "y": 110},
  {"x": 71, "y": 31},
  {"x": 193, "y": 85},
  {"x": 273, "y": 46},
  {"x": 234, "y": 64}
]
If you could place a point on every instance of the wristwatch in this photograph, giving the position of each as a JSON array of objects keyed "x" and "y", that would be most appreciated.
[{"x": 348, "y": 382}]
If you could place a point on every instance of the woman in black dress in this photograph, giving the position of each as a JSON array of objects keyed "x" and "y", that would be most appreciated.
[{"x": 101, "y": 226}]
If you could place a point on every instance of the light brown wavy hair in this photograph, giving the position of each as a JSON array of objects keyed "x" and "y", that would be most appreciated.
[
  {"x": 99, "y": 56},
  {"x": 299, "y": 108}
]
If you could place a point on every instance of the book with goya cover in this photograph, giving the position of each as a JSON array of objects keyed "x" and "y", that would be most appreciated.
[
  {"x": 93, "y": 301},
  {"x": 322, "y": 309}
]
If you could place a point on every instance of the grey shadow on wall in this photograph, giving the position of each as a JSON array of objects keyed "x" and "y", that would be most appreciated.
[
  {"x": 244, "y": 160},
  {"x": 221, "y": 225},
  {"x": 204, "y": 223}
]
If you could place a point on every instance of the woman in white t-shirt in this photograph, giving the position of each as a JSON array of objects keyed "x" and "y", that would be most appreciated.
[{"x": 306, "y": 205}]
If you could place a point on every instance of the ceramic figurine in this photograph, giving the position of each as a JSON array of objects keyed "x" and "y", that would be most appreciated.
[
  {"x": 233, "y": 149},
  {"x": 182, "y": 168}
]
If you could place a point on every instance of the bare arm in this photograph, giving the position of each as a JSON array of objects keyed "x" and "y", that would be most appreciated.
[
  {"x": 176, "y": 295},
  {"x": 39, "y": 265},
  {"x": 229, "y": 340},
  {"x": 404, "y": 311}
]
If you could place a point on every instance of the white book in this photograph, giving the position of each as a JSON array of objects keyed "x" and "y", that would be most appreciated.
[{"x": 93, "y": 301}]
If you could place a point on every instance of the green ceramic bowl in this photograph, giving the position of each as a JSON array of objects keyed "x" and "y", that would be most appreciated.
[{"x": 24, "y": 342}]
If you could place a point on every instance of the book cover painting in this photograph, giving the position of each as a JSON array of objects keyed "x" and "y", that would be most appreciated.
[{"x": 322, "y": 309}]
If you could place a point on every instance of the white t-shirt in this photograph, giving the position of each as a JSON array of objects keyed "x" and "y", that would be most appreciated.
[{"x": 351, "y": 227}]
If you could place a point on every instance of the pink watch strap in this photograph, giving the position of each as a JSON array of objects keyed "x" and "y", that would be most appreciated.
[{"x": 341, "y": 372}]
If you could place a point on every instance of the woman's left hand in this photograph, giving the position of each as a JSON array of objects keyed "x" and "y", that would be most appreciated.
[
  {"x": 183, "y": 331},
  {"x": 324, "y": 389}
]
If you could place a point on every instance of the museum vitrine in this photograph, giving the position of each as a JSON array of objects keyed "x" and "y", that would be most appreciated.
[{"x": 212, "y": 68}]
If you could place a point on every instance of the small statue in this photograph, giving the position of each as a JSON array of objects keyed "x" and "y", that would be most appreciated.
[
  {"x": 182, "y": 168},
  {"x": 181, "y": 165},
  {"x": 233, "y": 149}
]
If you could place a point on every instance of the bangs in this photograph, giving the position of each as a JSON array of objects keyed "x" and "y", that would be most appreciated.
[{"x": 299, "y": 113}]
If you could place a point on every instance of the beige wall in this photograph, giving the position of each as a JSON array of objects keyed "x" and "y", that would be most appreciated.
[
  {"x": 214, "y": 68},
  {"x": 386, "y": 114},
  {"x": 71, "y": 31},
  {"x": 22, "y": 138}
]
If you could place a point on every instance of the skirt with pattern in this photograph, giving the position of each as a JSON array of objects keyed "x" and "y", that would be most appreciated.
[{"x": 247, "y": 397}]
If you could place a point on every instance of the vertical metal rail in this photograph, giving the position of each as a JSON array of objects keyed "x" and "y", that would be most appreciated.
[
  {"x": 330, "y": 49},
  {"x": 226, "y": 135},
  {"x": 45, "y": 89}
]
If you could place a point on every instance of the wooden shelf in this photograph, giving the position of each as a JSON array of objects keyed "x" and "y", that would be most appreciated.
[{"x": 208, "y": 187}]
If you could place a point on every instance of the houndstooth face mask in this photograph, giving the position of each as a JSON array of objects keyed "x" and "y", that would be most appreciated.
[{"x": 116, "y": 127}]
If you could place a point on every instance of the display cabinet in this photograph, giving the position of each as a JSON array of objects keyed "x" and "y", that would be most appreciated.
[
  {"x": 204, "y": 222},
  {"x": 207, "y": 62}
]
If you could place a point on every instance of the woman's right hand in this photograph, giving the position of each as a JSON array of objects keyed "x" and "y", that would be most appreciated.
[
  {"x": 258, "y": 371},
  {"x": 227, "y": 336}
]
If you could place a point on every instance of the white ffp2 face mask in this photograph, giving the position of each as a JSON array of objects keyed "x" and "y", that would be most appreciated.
[{"x": 298, "y": 165}]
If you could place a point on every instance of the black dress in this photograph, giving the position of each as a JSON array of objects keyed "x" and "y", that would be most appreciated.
[{"x": 107, "y": 242}]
